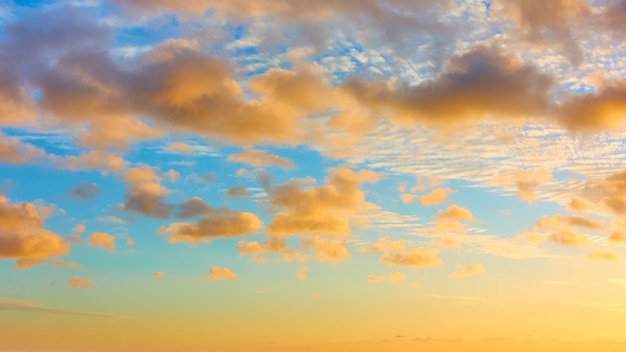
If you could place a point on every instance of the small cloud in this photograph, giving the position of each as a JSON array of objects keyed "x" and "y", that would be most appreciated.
[
  {"x": 216, "y": 273},
  {"x": 303, "y": 272},
  {"x": 259, "y": 158},
  {"x": 435, "y": 197},
  {"x": 237, "y": 192},
  {"x": 396, "y": 277},
  {"x": 78, "y": 228},
  {"x": 83, "y": 192},
  {"x": 470, "y": 270},
  {"x": 601, "y": 255},
  {"x": 76, "y": 282},
  {"x": 158, "y": 274},
  {"x": 113, "y": 219},
  {"x": 102, "y": 240},
  {"x": 58, "y": 263},
  {"x": 376, "y": 278},
  {"x": 454, "y": 213}
]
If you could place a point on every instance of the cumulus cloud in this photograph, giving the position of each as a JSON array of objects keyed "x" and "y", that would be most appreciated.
[
  {"x": 525, "y": 181},
  {"x": 470, "y": 270},
  {"x": 158, "y": 274},
  {"x": 259, "y": 158},
  {"x": 435, "y": 197},
  {"x": 77, "y": 282},
  {"x": 454, "y": 213},
  {"x": 418, "y": 257},
  {"x": 376, "y": 278},
  {"x": 102, "y": 240},
  {"x": 216, "y": 273},
  {"x": 145, "y": 193},
  {"x": 482, "y": 82},
  {"x": 83, "y": 192},
  {"x": 328, "y": 250},
  {"x": 320, "y": 210},
  {"x": 272, "y": 245},
  {"x": 22, "y": 236},
  {"x": 568, "y": 238},
  {"x": 13, "y": 151},
  {"x": 617, "y": 237},
  {"x": 303, "y": 272},
  {"x": 213, "y": 223}
]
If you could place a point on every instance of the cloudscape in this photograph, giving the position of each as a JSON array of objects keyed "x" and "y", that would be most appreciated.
[{"x": 329, "y": 175}]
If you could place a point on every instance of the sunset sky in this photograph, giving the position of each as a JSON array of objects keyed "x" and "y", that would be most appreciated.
[{"x": 299, "y": 175}]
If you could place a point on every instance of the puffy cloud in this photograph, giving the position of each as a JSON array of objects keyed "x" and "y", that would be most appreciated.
[
  {"x": 214, "y": 223},
  {"x": 259, "y": 158},
  {"x": 479, "y": 83},
  {"x": 158, "y": 274},
  {"x": 12, "y": 150},
  {"x": 524, "y": 181},
  {"x": 84, "y": 191},
  {"x": 446, "y": 242},
  {"x": 568, "y": 238},
  {"x": 418, "y": 257},
  {"x": 145, "y": 194},
  {"x": 22, "y": 236},
  {"x": 179, "y": 148},
  {"x": 328, "y": 250},
  {"x": 435, "y": 197},
  {"x": 470, "y": 270},
  {"x": 407, "y": 198},
  {"x": 237, "y": 191},
  {"x": 550, "y": 24},
  {"x": 102, "y": 240},
  {"x": 454, "y": 213},
  {"x": 321, "y": 210},
  {"x": 602, "y": 110},
  {"x": 397, "y": 277},
  {"x": 78, "y": 228},
  {"x": 272, "y": 245},
  {"x": 617, "y": 237},
  {"x": 216, "y": 273},
  {"x": 531, "y": 237},
  {"x": 77, "y": 282},
  {"x": 578, "y": 205},
  {"x": 598, "y": 254}
]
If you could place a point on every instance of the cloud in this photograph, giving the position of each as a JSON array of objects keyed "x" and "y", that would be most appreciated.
[
  {"x": 559, "y": 222},
  {"x": 237, "y": 191},
  {"x": 601, "y": 110},
  {"x": 376, "y": 278},
  {"x": 598, "y": 254},
  {"x": 22, "y": 237},
  {"x": 216, "y": 273},
  {"x": 303, "y": 272},
  {"x": 179, "y": 148},
  {"x": 272, "y": 245},
  {"x": 20, "y": 305},
  {"x": 77, "y": 282},
  {"x": 93, "y": 160},
  {"x": 83, "y": 192},
  {"x": 102, "y": 240},
  {"x": 321, "y": 210},
  {"x": 568, "y": 238},
  {"x": 435, "y": 197},
  {"x": 470, "y": 270},
  {"x": 78, "y": 228},
  {"x": 396, "y": 277},
  {"x": 454, "y": 213},
  {"x": 446, "y": 242},
  {"x": 259, "y": 158},
  {"x": 213, "y": 223},
  {"x": 531, "y": 237},
  {"x": 617, "y": 237},
  {"x": 524, "y": 181},
  {"x": 482, "y": 82},
  {"x": 58, "y": 263},
  {"x": 418, "y": 257},
  {"x": 145, "y": 193},
  {"x": 328, "y": 250},
  {"x": 158, "y": 274},
  {"x": 13, "y": 151}
]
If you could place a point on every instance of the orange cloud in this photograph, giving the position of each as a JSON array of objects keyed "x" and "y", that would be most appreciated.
[
  {"x": 77, "y": 282},
  {"x": 328, "y": 250},
  {"x": 598, "y": 254},
  {"x": 531, "y": 237},
  {"x": 303, "y": 272},
  {"x": 93, "y": 160},
  {"x": 213, "y": 223},
  {"x": 13, "y": 151},
  {"x": 22, "y": 236},
  {"x": 376, "y": 278},
  {"x": 272, "y": 245},
  {"x": 158, "y": 274},
  {"x": 259, "y": 158},
  {"x": 396, "y": 277},
  {"x": 58, "y": 263},
  {"x": 419, "y": 257},
  {"x": 617, "y": 237},
  {"x": 525, "y": 181},
  {"x": 102, "y": 240},
  {"x": 557, "y": 222},
  {"x": 145, "y": 194},
  {"x": 321, "y": 210},
  {"x": 435, "y": 197},
  {"x": 470, "y": 270},
  {"x": 568, "y": 238},
  {"x": 216, "y": 273},
  {"x": 454, "y": 213}
]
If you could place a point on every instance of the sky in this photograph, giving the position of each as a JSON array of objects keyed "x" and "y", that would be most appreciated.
[{"x": 274, "y": 175}]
